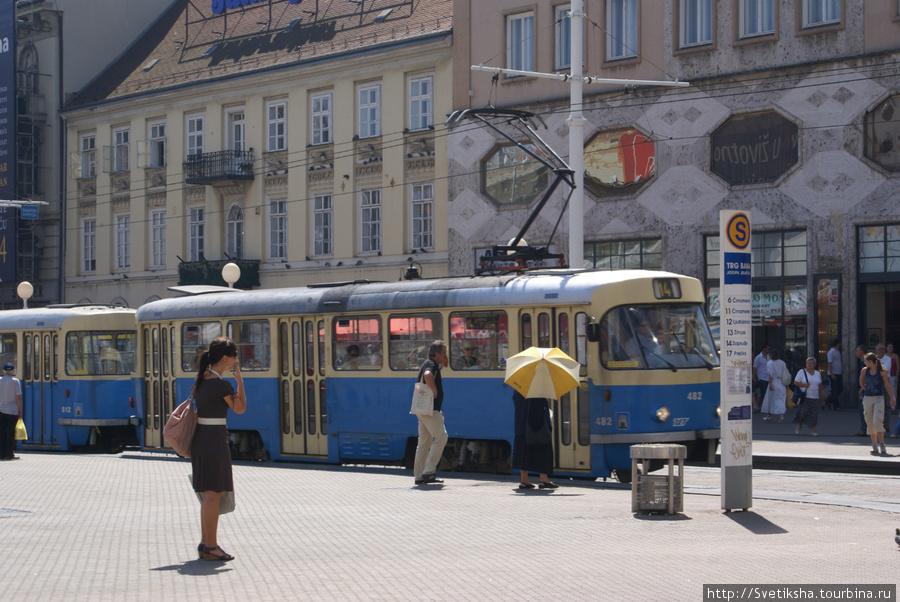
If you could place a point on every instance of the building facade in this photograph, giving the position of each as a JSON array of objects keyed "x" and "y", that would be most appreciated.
[
  {"x": 790, "y": 115},
  {"x": 297, "y": 141},
  {"x": 57, "y": 53}
]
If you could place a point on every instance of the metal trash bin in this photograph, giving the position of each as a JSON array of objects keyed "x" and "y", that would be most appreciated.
[{"x": 657, "y": 493}]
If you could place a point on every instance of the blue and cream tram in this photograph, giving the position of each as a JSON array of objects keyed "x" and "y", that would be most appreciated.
[
  {"x": 77, "y": 368},
  {"x": 329, "y": 369}
]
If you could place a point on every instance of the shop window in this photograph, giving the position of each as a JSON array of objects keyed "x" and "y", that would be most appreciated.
[{"x": 879, "y": 248}]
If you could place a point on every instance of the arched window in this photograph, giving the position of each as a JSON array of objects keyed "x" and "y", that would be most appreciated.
[
  {"x": 28, "y": 69},
  {"x": 234, "y": 232}
]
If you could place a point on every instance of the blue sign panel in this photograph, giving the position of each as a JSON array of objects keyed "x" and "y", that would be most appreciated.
[
  {"x": 736, "y": 269},
  {"x": 8, "y": 139},
  {"x": 29, "y": 212}
]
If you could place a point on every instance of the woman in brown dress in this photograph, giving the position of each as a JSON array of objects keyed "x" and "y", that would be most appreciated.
[{"x": 210, "y": 454}]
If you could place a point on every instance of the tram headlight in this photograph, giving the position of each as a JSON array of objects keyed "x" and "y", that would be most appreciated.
[
  {"x": 662, "y": 414},
  {"x": 719, "y": 412}
]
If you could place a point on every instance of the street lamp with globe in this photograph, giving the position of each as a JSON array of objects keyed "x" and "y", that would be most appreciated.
[{"x": 231, "y": 273}]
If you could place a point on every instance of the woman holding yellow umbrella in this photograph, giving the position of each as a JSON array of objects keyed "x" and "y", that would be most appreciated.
[{"x": 537, "y": 374}]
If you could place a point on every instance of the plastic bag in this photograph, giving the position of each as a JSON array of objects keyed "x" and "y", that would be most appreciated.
[{"x": 21, "y": 433}]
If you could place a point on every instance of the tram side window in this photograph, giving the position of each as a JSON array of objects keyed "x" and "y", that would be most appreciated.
[
  {"x": 410, "y": 337},
  {"x": 481, "y": 334},
  {"x": 357, "y": 343},
  {"x": 195, "y": 338},
  {"x": 92, "y": 353},
  {"x": 254, "y": 344},
  {"x": 8, "y": 349},
  {"x": 654, "y": 337}
]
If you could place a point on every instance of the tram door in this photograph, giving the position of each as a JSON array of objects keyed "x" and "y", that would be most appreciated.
[
  {"x": 563, "y": 328},
  {"x": 40, "y": 410},
  {"x": 159, "y": 381},
  {"x": 304, "y": 428}
]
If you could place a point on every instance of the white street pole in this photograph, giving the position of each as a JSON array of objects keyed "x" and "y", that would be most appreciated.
[{"x": 576, "y": 137}]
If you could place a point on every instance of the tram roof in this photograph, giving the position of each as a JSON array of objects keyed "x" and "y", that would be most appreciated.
[
  {"x": 53, "y": 317},
  {"x": 534, "y": 288}
]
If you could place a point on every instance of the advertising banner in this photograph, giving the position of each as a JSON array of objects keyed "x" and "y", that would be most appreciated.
[
  {"x": 8, "y": 140},
  {"x": 736, "y": 328}
]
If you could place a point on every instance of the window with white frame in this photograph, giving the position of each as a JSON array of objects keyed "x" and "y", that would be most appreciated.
[
  {"x": 121, "y": 149},
  {"x": 88, "y": 155},
  {"x": 370, "y": 220},
  {"x": 696, "y": 22},
  {"x": 156, "y": 146},
  {"x": 158, "y": 239},
  {"x": 321, "y": 118},
  {"x": 323, "y": 225},
  {"x": 237, "y": 131},
  {"x": 757, "y": 17},
  {"x": 821, "y": 12},
  {"x": 195, "y": 128},
  {"x": 563, "y": 29},
  {"x": 369, "y": 110},
  {"x": 278, "y": 229},
  {"x": 421, "y": 94},
  {"x": 197, "y": 232},
  {"x": 277, "y": 126},
  {"x": 123, "y": 242},
  {"x": 520, "y": 41},
  {"x": 423, "y": 216},
  {"x": 621, "y": 29},
  {"x": 89, "y": 245},
  {"x": 234, "y": 232}
]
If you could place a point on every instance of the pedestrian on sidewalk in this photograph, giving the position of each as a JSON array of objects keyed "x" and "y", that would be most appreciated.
[
  {"x": 876, "y": 385},
  {"x": 895, "y": 366},
  {"x": 810, "y": 382},
  {"x": 887, "y": 364},
  {"x": 775, "y": 402},
  {"x": 10, "y": 411},
  {"x": 432, "y": 432},
  {"x": 760, "y": 376},
  {"x": 860, "y": 364},
  {"x": 531, "y": 415},
  {"x": 835, "y": 375}
]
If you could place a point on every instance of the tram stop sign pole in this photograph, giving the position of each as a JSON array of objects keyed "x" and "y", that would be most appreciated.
[{"x": 735, "y": 333}]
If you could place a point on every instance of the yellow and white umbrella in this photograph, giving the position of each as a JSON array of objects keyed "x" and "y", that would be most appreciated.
[{"x": 542, "y": 372}]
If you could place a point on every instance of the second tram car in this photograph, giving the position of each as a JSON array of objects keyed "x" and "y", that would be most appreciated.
[
  {"x": 329, "y": 370},
  {"x": 77, "y": 369}
]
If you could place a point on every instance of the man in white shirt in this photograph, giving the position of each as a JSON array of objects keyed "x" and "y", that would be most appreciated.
[
  {"x": 10, "y": 411},
  {"x": 836, "y": 375},
  {"x": 760, "y": 376},
  {"x": 886, "y": 364}
]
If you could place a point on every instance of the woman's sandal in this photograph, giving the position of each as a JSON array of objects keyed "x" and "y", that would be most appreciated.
[
  {"x": 200, "y": 549},
  {"x": 208, "y": 554},
  {"x": 526, "y": 486}
]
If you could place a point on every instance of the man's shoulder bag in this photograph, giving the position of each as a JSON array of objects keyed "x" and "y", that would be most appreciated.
[{"x": 422, "y": 398}]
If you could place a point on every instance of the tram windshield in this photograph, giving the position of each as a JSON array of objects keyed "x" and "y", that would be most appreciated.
[
  {"x": 656, "y": 337},
  {"x": 106, "y": 352}
]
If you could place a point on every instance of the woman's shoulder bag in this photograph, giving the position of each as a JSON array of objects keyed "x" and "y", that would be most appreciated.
[{"x": 179, "y": 429}]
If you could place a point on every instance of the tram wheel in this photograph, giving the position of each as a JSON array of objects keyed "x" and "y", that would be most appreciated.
[{"x": 623, "y": 476}]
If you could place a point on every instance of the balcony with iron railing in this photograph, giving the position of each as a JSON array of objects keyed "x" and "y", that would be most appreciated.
[
  {"x": 219, "y": 166},
  {"x": 209, "y": 272}
]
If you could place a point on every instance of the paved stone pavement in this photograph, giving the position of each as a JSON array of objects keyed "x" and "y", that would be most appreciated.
[{"x": 114, "y": 527}]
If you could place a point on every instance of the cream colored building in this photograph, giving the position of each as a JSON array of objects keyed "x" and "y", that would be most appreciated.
[{"x": 300, "y": 143}]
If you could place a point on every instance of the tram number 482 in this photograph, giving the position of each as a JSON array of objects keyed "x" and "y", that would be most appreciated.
[{"x": 695, "y": 395}]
